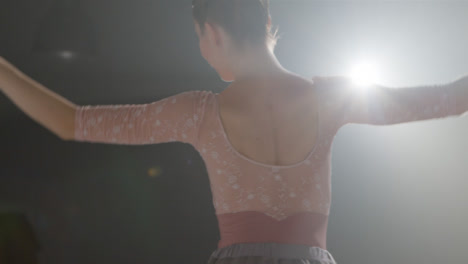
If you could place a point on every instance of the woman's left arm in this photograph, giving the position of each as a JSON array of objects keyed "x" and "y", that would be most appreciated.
[
  {"x": 381, "y": 105},
  {"x": 459, "y": 89}
]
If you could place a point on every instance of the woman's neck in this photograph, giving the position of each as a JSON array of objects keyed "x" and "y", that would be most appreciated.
[{"x": 256, "y": 64}]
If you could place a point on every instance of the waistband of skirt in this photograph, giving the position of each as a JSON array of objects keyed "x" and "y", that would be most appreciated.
[{"x": 276, "y": 250}]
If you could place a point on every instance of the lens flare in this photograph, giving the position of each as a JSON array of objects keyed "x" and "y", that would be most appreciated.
[{"x": 364, "y": 74}]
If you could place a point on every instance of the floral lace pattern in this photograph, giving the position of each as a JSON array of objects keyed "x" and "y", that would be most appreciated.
[
  {"x": 238, "y": 183},
  {"x": 175, "y": 118}
]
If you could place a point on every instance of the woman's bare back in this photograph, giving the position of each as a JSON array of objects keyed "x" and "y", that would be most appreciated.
[{"x": 273, "y": 122}]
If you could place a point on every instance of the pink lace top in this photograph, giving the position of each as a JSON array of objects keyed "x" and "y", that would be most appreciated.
[{"x": 257, "y": 202}]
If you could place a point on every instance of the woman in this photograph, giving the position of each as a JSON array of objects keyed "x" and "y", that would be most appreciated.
[{"x": 266, "y": 139}]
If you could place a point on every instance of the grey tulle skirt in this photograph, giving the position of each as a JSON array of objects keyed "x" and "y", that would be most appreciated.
[{"x": 270, "y": 253}]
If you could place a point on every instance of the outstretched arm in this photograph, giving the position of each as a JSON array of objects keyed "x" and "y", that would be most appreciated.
[
  {"x": 459, "y": 89},
  {"x": 379, "y": 105},
  {"x": 175, "y": 118},
  {"x": 44, "y": 106}
]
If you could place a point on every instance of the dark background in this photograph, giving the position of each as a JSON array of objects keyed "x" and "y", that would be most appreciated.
[{"x": 399, "y": 192}]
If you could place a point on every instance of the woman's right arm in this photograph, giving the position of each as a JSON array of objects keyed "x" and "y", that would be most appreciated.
[{"x": 47, "y": 108}]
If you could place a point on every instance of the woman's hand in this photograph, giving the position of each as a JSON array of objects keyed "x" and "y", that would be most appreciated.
[
  {"x": 3, "y": 61},
  {"x": 41, "y": 104},
  {"x": 6, "y": 70},
  {"x": 4, "y": 64}
]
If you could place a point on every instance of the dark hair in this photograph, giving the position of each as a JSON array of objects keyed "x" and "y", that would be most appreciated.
[{"x": 245, "y": 20}]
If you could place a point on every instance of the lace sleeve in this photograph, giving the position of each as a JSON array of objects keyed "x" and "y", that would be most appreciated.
[
  {"x": 175, "y": 118},
  {"x": 378, "y": 105}
]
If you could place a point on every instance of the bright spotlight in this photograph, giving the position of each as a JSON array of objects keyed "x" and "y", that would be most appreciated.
[{"x": 364, "y": 74}]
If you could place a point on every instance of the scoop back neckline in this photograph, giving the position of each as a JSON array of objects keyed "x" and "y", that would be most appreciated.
[{"x": 218, "y": 117}]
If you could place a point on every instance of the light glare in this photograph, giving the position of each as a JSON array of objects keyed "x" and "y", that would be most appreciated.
[{"x": 364, "y": 74}]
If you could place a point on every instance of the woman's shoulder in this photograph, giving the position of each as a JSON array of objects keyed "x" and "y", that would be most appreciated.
[
  {"x": 332, "y": 84},
  {"x": 324, "y": 82},
  {"x": 332, "y": 80}
]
